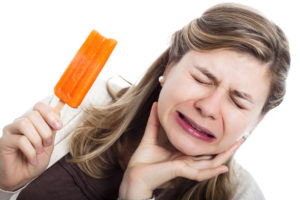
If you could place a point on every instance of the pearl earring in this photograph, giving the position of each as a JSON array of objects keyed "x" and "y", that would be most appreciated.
[{"x": 161, "y": 79}]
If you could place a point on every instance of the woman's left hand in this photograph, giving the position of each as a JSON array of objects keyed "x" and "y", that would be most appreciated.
[{"x": 151, "y": 165}]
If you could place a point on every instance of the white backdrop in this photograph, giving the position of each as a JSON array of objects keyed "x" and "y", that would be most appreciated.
[{"x": 39, "y": 38}]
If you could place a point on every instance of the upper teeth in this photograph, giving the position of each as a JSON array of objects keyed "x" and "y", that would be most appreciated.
[{"x": 194, "y": 126}]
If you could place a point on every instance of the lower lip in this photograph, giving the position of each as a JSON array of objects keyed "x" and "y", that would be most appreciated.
[{"x": 190, "y": 130}]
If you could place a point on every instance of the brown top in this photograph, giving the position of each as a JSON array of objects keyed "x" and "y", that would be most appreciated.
[{"x": 65, "y": 181}]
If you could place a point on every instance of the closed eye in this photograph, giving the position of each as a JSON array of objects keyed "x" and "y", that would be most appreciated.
[
  {"x": 237, "y": 104},
  {"x": 202, "y": 82}
]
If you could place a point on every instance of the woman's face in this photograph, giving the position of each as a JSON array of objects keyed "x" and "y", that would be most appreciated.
[{"x": 210, "y": 99}]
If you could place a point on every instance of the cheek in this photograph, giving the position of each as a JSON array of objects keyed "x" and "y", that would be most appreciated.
[
  {"x": 236, "y": 125},
  {"x": 176, "y": 92},
  {"x": 166, "y": 102},
  {"x": 171, "y": 95}
]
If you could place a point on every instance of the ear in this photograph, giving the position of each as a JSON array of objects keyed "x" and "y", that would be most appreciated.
[
  {"x": 162, "y": 78},
  {"x": 167, "y": 69}
]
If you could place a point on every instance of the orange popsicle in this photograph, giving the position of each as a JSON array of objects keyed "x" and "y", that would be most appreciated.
[{"x": 84, "y": 69}]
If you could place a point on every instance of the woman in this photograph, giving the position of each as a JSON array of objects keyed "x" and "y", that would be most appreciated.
[{"x": 221, "y": 74}]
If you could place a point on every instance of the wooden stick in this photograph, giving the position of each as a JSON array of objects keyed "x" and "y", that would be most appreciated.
[{"x": 60, "y": 104}]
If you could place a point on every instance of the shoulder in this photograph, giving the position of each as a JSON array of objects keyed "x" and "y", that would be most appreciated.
[
  {"x": 246, "y": 186},
  {"x": 103, "y": 91}
]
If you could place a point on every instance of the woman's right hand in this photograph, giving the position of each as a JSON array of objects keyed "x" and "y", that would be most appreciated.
[{"x": 26, "y": 146}]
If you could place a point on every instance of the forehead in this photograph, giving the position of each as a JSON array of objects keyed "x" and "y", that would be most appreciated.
[{"x": 233, "y": 69}]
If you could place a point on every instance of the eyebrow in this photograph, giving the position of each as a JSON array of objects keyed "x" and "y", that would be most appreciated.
[{"x": 213, "y": 78}]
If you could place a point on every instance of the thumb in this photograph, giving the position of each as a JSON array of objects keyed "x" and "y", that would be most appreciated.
[{"x": 152, "y": 127}]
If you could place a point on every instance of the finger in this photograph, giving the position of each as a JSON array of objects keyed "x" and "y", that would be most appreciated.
[
  {"x": 207, "y": 162},
  {"x": 186, "y": 171},
  {"x": 42, "y": 127},
  {"x": 152, "y": 128},
  {"x": 205, "y": 157},
  {"x": 21, "y": 142},
  {"x": 167, "y": 171},
  {"x": 23, "y": 126},
  {"x": 48, "y": 113},
  {"x": 201, "y": 175},
  {"x": 224, "y": 156}
]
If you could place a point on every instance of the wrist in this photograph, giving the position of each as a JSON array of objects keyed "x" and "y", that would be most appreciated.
[
  {"x": 134, "y": 193},
  {"x": 133, "y": 189},
  {"x": 10, "y": 188},
  {"x": 151, "y": 198}
]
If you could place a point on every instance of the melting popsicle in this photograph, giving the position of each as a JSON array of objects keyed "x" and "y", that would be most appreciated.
[{"x": 83, "y": 70}]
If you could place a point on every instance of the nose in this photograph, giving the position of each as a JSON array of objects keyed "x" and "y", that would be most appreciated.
[{"x": 210, "y": 104}]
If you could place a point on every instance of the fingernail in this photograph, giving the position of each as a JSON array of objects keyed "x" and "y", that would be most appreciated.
[
  {"x": 40, "y": 149},
  {"x": 48, "y": 142},
  {"x": 224, "y": 170},
  {"x": 243, "y": 139},
  {"x": 57, "y": 125},
  {"x": 34, "y": 161}
]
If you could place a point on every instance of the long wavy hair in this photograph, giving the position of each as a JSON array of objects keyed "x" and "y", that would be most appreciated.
[{"x": 112, "y": 132}]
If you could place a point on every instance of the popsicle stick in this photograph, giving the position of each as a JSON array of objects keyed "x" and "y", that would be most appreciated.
[{"x": 60, "y": 104}]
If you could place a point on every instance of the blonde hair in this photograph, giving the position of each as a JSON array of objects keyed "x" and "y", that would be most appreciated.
[{"x": 116, "y": 129}]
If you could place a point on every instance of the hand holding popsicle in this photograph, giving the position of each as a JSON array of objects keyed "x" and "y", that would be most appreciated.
[{"x": 27, "y": 144}]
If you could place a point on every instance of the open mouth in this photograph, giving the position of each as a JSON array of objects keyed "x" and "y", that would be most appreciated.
[{"x": 194, "y": 129}]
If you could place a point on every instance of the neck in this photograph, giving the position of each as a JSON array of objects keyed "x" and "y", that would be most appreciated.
[
  {"x": 124, "y": 157},
  {"x": 164, "y": 142}
]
